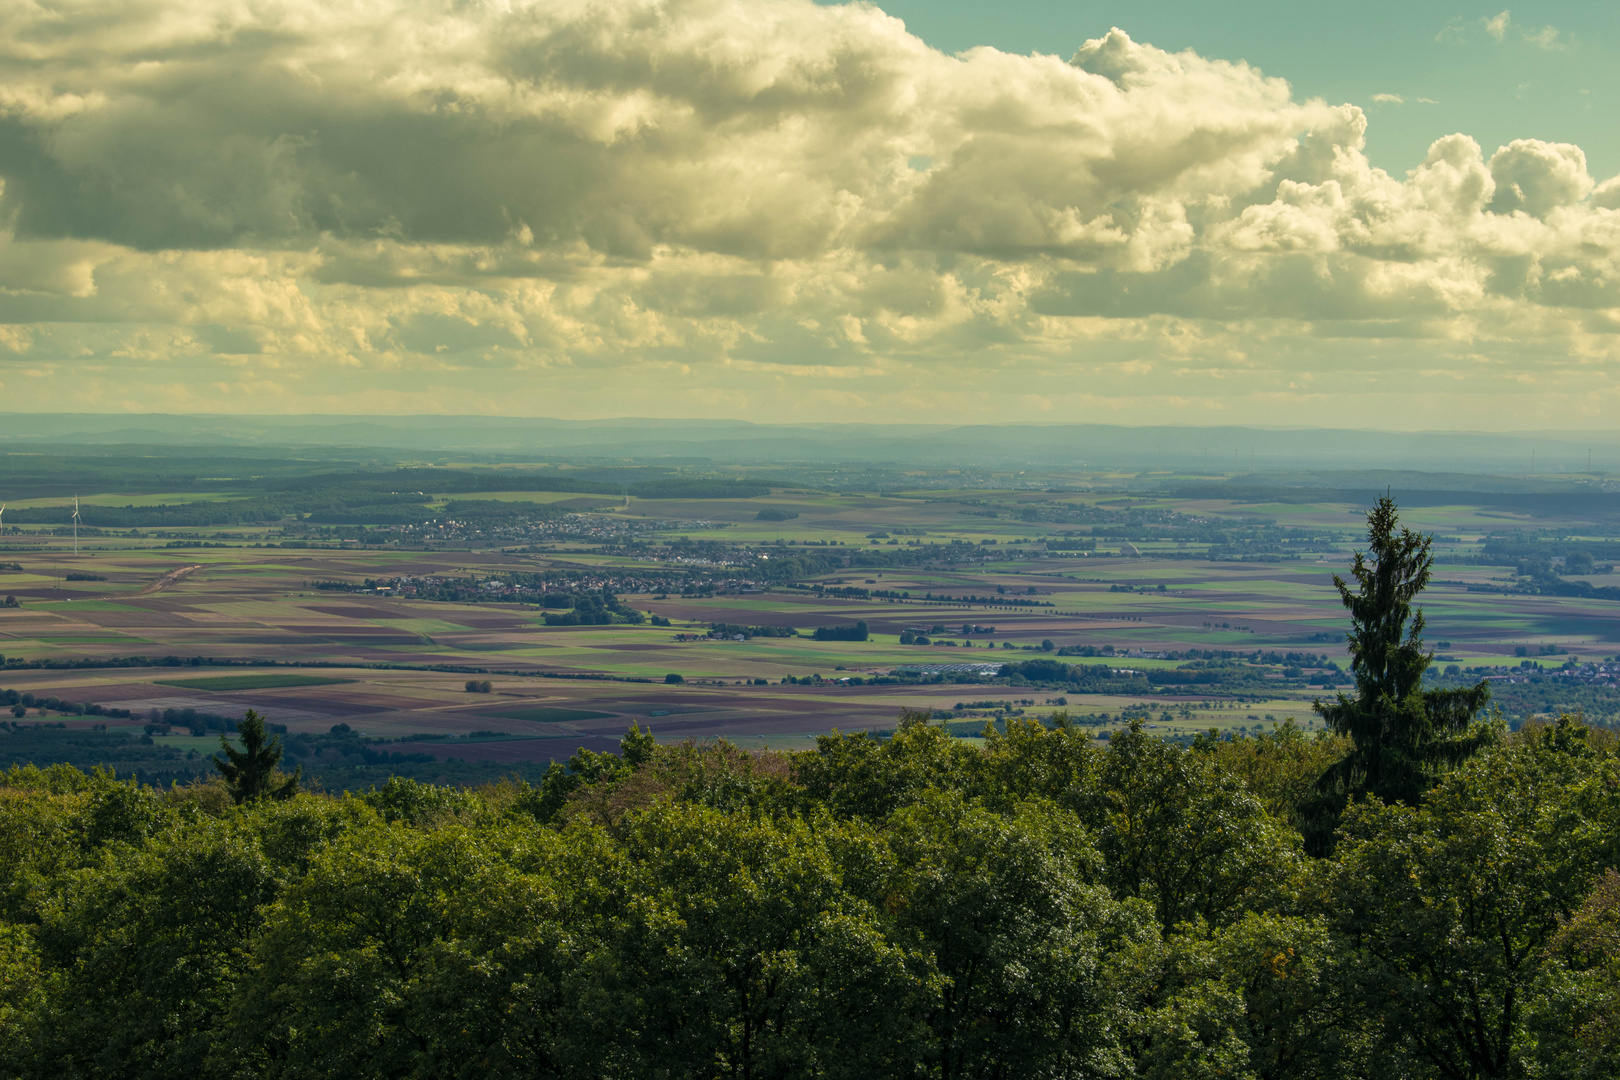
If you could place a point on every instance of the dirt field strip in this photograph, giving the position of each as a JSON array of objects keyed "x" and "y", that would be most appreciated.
[{"x": 171, "y": 578}]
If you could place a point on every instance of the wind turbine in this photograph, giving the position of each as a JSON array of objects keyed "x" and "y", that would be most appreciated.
[{"x": 75, "y": 525}]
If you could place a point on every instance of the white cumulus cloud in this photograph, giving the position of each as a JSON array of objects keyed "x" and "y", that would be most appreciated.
[{"x": 612, "y": 206}]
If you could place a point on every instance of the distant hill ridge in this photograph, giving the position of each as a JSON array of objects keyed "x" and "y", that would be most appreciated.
[{"x": 1225, "y": 450}]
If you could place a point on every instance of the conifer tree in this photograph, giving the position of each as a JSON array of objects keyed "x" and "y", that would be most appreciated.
[
  {"x": 1404, "y": 736},
  {"x": 251, "y": 771}
]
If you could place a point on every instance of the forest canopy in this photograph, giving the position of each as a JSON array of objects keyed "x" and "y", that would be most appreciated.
[{"x": 1044, "y": 904}]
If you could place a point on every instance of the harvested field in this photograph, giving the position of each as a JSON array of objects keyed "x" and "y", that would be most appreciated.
[{"x": 249, "y": 682}]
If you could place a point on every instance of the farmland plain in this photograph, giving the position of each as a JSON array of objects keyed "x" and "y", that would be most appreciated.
[{"x": 382, "y": 629}]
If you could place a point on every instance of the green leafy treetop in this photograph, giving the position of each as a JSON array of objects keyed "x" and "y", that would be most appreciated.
[
  {"x": 1404, "y": 736},
  {"x": 637, "y": 747},
  {"x": 251, "y": 771}
]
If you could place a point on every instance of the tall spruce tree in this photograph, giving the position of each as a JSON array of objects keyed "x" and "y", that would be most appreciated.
[
  {"x": 1405, "y": 737},
  {"x": 251, "y": 771}
]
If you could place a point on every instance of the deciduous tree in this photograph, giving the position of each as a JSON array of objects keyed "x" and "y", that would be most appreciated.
[{"x": 1454, "y": 905}]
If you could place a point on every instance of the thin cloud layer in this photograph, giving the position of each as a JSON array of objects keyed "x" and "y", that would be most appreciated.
[{"x": 767, "y": 209}]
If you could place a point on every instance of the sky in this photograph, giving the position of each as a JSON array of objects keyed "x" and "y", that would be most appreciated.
[
  {"x": 1419, "y": 70},
  {"x": 1401, "y": 216}
]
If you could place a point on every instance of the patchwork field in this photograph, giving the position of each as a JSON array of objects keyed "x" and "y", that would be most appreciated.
[{"x": 325, "y": 646}]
